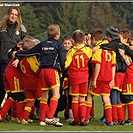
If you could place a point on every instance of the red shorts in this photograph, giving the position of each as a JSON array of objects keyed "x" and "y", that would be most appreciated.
[
  {"x": 49, "y": 78},
  {"x": 102, "y": 88},
  {"x": 12, "y": 82},
  {"x": 33, "y": 94},
  {"x": 127, "y": 89},
  {"x": 119, "y": 79},
  {"x": 79, "y": 89}
]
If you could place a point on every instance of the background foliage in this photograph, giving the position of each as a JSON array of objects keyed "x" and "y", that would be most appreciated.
[{"x": 73, "y": 15}]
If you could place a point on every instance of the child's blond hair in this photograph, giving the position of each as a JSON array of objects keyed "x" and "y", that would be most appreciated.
[
  {"x": 28, "y": 42},
  {"x": 53, "y": 30}
]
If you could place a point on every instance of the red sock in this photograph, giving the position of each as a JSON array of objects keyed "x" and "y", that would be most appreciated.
[
  {"x": 43, "y": 109},
  {"x": 92, "y": 109},
  {"x": 20, "y": 110},
  {"x": 108, "y": 112},
  {"x": 120, "y": 112},
  {"x": 52, "y": 107},
  {"x": 88, "y": 109},
  {"x": 7, "y": 105},
  {"x": 75, "y": 110},
  {"x": 33, "y": 109},
  {"x": 124, "y": 110},
  {"x": 27, "y": 109},
  {"x": 114, "y": 113},
  {"x": 25, "y": 102},
  {"x": 82, "y": 110},
  {"x": 13, "y": 112},
  {"x": 130, "y": 110}
]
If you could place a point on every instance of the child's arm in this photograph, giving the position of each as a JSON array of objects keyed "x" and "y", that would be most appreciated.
[
  {"x": 30, "y": 52},
  {"x": 112, "y": 83},
  {"x": 108, "y": 46},
  {"x": 96, "y": 73},
  {"x": 122, "y": 53},
  {"x": 15, "y": 62}
]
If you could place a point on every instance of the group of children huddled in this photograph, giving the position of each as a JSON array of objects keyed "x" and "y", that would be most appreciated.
[{"x": 83, "y": 66}]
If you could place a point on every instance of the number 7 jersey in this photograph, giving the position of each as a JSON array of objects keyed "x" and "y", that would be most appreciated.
[{"x": 77, "y": 63}]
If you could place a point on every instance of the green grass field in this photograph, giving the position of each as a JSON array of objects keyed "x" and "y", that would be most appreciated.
[{"x": 94, "y": 126}]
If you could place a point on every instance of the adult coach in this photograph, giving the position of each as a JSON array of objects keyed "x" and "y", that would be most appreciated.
[{"x": 11, "y": 32}]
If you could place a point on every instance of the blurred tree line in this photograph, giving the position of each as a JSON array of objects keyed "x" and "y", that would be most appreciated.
[{"x": 70, "y": 16}]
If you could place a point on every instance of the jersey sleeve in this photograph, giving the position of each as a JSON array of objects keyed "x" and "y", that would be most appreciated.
[
  {"x": 96, "y": 57},
  {"x": 34, "y": 64},
  {"x": 68, "y": 59},
  {"x": 114, "y": 59}
]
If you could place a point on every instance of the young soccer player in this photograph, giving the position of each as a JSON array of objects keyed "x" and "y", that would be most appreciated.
[
  {"x": 29, "y": 67},
  {"x": 13, "y": 86},
  {"x": 96, "y": 38},
  {"x": 67, "y": 43},
  {"x": 77, "y": 65},
  {"x": 34, "y": 115},
  {"x": 102, "y": 78},
  {"x": 52, "y": 59},
  {"x": 65, "y": 98},
  {"x": 127, "y": 89},
  {"x": 115, "y": 44},
  {"x": 89, "y": 44}
]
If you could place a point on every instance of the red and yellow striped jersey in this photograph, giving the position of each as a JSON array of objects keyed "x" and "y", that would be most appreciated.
[
  {"x": 77, "y": 63},
  {"x": 107, "y": 59},
  {"x": 29, "y": 66}
]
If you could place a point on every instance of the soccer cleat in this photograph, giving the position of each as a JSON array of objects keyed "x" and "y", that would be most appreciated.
[
  {"x": 74, "y": 123},
  {"x": 91, "y": 118},
  {"x": 69, "y": 120},
  {"x": 57, "y": 119},
  {"x": 87, "y": 122},
  {"x": 110, "y": 124},
  {"x": 83, "y": 122},
  {"x": 115, "y": 122},
  {"x": 24, "y": 122},
  {"x": 129, "y": 122},
  {"x": 13, "y": 118},
  {"x": 30, "y": 120},
  {"x": 103, "y": 119},
  {"x": 42, "y": 123},
  {"x": 33, "y": 117},
  {"x": 53, "y": 122},
  {"x": 121, "y": 122},
  {"x": 18, "y": 121}
]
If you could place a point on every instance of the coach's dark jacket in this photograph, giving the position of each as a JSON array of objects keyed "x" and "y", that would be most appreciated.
[{"x": 8, "y": 41}]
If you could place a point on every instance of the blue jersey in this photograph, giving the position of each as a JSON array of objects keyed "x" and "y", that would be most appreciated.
[{"x": 51, "y": 54}]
